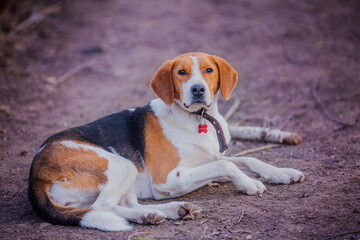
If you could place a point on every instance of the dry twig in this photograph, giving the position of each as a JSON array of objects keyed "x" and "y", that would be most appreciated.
[
  {"x": 341, "y": 234},
  {"x": 230, "y": 237},
  {"x": 326, "y": 113},
  {"x": 356, "y": 136},
  {"x": 138, "y": 233},
  {"x": 12, "y": 195},
  {"x": 256, "y": 150},
  {"x": 286, "y": 121},
  {"x": 205, "y": 221},
  {"x": 72, "y": 72},
  {"x": 241, "y": 216},
  {"x": 36, "y": 18},
  {"x": 232, "y": 109}
]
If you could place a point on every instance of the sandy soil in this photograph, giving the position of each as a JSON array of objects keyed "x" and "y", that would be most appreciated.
[{"x": 280, "y": 48}]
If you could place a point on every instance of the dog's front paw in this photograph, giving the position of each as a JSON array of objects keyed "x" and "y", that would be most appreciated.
[
  {"x": 251, "y": 187},
  {"x": 258, "y": 189},
  {"x": 188, "y": 211},
  {"x": 286, "y": 176},
  {"x": 152, "y": 217}
]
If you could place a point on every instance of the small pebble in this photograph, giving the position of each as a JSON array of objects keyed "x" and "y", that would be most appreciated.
[
  {"x": 91, "y": 50},
  {"x": 249, "y": 237},
  {"x": 44, "y": 225}
]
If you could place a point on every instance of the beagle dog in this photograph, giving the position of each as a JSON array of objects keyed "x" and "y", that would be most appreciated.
[{"x": 92, "y": 175}]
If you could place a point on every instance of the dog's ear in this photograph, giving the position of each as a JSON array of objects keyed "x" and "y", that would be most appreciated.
[
  {"x": 162, "y": 83},
  {"x": 227, "y": 77}
]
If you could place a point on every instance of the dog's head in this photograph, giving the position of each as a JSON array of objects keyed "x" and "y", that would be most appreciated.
[{"x": 193, "y": 79}]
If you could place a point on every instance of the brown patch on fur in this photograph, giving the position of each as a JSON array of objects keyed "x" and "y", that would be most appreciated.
[
  {"x": 73, "y": 168},
  {"x": 139, "y": 167},
  {"x": 45, "y": 207},
  {"x": 161, "y": 157},
  {"x": 40, "y": 189}
]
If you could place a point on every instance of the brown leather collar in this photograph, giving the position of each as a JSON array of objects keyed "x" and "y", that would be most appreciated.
[{"x": 219, "y": 132}]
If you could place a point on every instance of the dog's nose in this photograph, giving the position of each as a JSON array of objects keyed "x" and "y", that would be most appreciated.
[{"x": 198, "y": 90}]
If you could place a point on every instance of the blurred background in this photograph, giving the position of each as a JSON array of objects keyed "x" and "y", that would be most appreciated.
[{"x": 65, "y": 63}]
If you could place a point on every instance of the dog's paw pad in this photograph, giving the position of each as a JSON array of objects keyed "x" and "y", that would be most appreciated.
[
  {"x": 301, "y": 178},
  {"x": 153, "y": 218},
  {"x": 189, "y": 211},
  {"x": 287, "y": 176},
  {"x": 257, "y": 187}
]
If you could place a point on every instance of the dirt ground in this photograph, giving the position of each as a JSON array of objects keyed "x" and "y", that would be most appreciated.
[{"x": 280, "y": 48}]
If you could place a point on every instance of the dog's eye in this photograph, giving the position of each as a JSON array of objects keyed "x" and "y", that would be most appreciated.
[
  {"x": 209, "y": 70},
  {"x": 182, "y": 72}
]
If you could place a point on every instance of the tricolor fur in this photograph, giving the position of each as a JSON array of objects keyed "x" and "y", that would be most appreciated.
[{"x": 92, "y": 175}]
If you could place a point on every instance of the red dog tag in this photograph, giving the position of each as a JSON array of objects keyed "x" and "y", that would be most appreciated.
[{"x": 203, "y": 128}]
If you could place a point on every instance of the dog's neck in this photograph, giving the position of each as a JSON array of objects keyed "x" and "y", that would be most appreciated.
[{"x": 211, "y": 114}]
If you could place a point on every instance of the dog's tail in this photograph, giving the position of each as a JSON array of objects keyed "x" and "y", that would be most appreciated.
[{"x": 57, "y": 214}]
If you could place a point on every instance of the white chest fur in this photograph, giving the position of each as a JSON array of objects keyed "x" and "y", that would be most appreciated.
[{"x": 181, "y": 128}]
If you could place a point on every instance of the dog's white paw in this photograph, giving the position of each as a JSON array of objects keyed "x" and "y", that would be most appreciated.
[
  {"x": 151, "y": 217},
  {"x": 285, "y": 176},
  {"x": 259, "y": 188},
  {"x": 188, "y": 211},
  {"x": 252, "y": 187}
]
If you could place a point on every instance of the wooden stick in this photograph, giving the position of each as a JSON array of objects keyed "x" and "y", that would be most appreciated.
[
  {"x": 264, "y": 134},
  {"x": 222, "y": 236},
  {"x": 233, "y": 109},
  {"x": 286, "y": 121},
  {"x": 356, "y": 136},
  {"x": 325, "y": 112},
  {"x": 241, "y": 216},
  {"x": 246, "y": 152},
  {"x": 12, "y": 195},
  {"x": 36, "y": 18},
  {"x": 139, "y": 233},
  {"x": 341, "y": 234},
  {"x": 205, "y": 221},
  {"x": 72, "y": 72}
]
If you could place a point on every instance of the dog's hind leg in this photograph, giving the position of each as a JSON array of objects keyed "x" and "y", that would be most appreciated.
[
  {"x": 121, "y": 175},
  {"x": 172, "y": 210}
]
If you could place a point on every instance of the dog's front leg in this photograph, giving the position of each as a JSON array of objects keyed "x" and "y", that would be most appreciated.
[
  {"x": 185, "y": 180},
  {"x": 268, "y": 172}
]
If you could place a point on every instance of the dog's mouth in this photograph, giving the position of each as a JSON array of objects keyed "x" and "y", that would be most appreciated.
[{"x": 197, "y": 103}]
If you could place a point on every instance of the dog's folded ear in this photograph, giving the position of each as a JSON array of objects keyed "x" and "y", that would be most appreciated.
[
  {"x": 227, "y": 76},
  {"x": 162, "y": 83}
]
